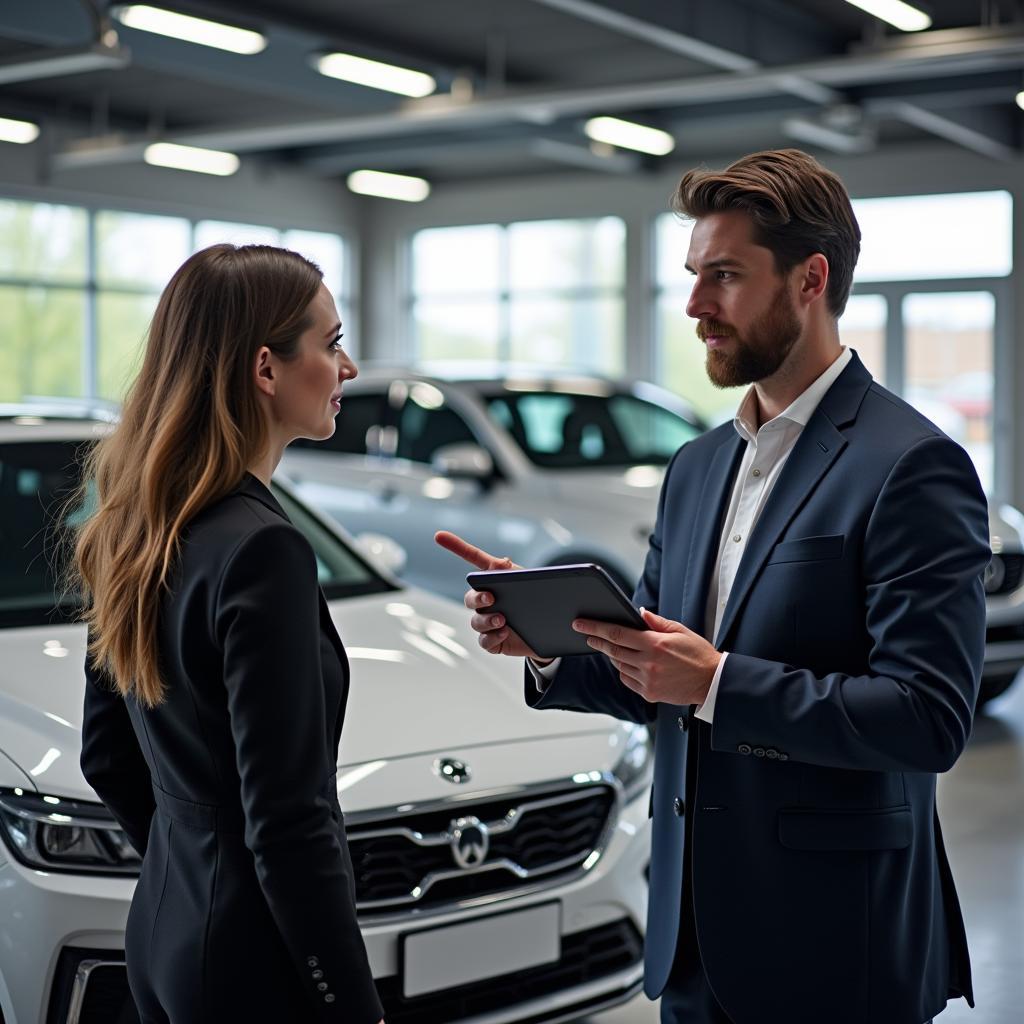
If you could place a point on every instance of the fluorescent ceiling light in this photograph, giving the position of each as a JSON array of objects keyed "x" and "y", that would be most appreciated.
[
  {"x": 192, "y": 30},
  {"x": 375, "y": 74},
  {"x": 389, "y": 186},
  {"x": 628, "y": 135},
  {"x": 18, "y": 131},
  {"x": 896, "y": 13},
  {"x": 191, "y": 158}
]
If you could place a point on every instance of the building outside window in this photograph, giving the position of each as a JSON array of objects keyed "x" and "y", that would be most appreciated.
[
  {"x": 545, "y": 293},
  {"x": 78, "y": 288}
]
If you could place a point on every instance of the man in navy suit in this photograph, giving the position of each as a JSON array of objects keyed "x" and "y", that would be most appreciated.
[{"x": 815, "y": 616}]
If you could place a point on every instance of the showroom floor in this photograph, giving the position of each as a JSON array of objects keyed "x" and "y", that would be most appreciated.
[{"x": 981, "y": 803}]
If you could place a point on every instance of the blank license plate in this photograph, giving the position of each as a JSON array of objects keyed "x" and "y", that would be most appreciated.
[{"x": 463, "y": 953}]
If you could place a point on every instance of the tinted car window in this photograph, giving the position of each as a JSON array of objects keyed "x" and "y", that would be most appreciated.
[
  {"x": 422, "y": 430},
  {"x": 36, "y": 480},
  {"x": 359, "y": 415},
  {"x": 572, "y": 431}
]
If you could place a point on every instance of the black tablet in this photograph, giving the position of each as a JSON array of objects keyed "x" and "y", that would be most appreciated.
[{"x": 541, "y": 604}]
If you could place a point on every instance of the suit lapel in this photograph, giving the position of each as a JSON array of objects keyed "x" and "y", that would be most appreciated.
[
  {"x": 707, "y": 532},
  {"x": 813, "y": 454}
]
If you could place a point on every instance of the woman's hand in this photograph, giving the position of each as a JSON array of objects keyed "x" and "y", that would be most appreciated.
[{"x": 493, "y": 633}]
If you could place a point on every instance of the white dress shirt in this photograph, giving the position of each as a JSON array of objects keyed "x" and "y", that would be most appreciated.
[{"x": 768, "y": 448}]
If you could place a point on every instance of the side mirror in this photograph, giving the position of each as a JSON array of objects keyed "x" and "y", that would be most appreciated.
[
  {"x": 463, "y": 462},
  {"x": 382, "y": 551}
]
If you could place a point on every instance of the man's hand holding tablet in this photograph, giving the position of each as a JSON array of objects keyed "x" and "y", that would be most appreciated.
[
  {"x": 664, "y": 662},
  {"x": 494, "y": 635}
]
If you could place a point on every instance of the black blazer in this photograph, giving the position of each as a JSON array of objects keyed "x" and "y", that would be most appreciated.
[
  {"x": 245, "y": 908},
  {"x": 805, "y": 815}
]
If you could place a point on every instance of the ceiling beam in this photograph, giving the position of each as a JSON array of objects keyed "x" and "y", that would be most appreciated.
[
  {"x": 961, "y": 132},
  {"x": 686, "y": 45},
  {"x": 995, "y": 53}
]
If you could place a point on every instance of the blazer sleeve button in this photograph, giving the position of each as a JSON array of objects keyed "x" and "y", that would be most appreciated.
[
  {"x": 783, "y": 757},
  {"x": 758, "y": 751},
  {"x": 317, "y": 975},
  {"x": 771, "y": 753},
  {"x": 744, "y": 748},
  {"x": 329, "y": 998},
  {"x": 312, "y": 962}
]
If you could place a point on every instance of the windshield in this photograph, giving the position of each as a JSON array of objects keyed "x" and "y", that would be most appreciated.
[
  {"x": 575, "y": 431},
  {"x": 36, "y": 480}
]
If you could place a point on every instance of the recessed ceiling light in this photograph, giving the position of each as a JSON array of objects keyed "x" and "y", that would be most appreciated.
[
  {"x": 191, "y": 158},
  {"x": 896, "y": 13},
  {"x": 191, "y": 30},
  {"x": 628, "y": 135},
  {"x": 18, "y": 131},
  {"x": 375, "y": 74},
  {"x": 389, "y": 186}
]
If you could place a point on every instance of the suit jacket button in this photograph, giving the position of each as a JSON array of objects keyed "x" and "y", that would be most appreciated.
[
  {"x": 758, "y": 751},
  {"x": 771, "y": 753},
  {"x": 744, "y": 748},
  {"x": 682, "y": 723},
  {"x": 679, "y": 807},
  {"x": 329, "y": 998}
]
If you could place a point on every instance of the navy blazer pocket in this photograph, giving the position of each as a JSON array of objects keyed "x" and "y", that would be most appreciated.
[
  {"x": 808, "y": 549},
  {"x": 882, "y": 828}
]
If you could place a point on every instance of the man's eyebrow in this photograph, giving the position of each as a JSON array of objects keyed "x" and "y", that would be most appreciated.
[{"x": 724, "y": 261}]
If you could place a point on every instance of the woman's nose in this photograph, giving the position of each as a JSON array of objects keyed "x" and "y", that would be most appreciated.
[{"x": 348, "y": 369}]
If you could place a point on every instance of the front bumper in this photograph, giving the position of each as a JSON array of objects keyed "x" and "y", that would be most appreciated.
[{"x": 62, "y": 942}]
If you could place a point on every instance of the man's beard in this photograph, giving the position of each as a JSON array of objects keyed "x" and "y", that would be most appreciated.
[{"x": 761, "y": 352}]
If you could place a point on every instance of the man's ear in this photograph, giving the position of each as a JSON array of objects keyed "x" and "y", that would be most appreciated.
[
  {"x": 263, "y": 369},
  {"x": 813, "y": 278}
]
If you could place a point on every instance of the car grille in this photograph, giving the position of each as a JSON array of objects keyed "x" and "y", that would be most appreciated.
[
  {"x": 1013, "y": 567},
  {"x": 586, "y": 956},
  {"x": 90, "y": 986},
  {"x": 408, "y": 860}
]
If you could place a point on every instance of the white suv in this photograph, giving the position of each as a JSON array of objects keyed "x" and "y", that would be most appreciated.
[{"x": 500, "y": 853}]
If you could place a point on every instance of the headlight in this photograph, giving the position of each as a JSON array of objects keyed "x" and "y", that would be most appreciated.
[
  {"x": 54, "y": 834},
  {"x": 633, "y": 769}
]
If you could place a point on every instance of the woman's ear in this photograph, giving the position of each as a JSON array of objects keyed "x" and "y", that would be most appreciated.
[{"x": 266, "y": 381}]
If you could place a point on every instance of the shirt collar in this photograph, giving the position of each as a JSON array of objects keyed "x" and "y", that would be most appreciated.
[{"x": 800, "y": 410}]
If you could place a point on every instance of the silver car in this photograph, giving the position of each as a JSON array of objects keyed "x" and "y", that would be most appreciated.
[{"x": 545, "y": 469}]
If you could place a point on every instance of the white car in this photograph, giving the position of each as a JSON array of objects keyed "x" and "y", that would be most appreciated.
[
  {"x": 501, "y": 853},
  {"x": 547, "y": 470}
]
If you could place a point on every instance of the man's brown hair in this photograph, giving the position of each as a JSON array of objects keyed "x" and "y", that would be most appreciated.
[{"x": 798, "y": 208}]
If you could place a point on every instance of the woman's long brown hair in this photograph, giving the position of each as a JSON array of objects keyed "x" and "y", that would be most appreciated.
[{"x": 191, "y": 426}]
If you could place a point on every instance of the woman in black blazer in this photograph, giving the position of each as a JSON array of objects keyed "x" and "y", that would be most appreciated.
[{"x": 216, "y": 681}]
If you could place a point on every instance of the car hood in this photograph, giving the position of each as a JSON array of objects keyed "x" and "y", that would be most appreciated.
[{"x": 420, "y": 683}]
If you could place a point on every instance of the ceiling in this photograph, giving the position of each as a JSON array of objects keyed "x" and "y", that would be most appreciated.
[{"x": 516, "y": 81}]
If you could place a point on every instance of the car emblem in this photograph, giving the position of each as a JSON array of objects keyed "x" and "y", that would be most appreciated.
[
  {"x": 451, "y": 770},
  {"x": 469, "y": 841}
]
